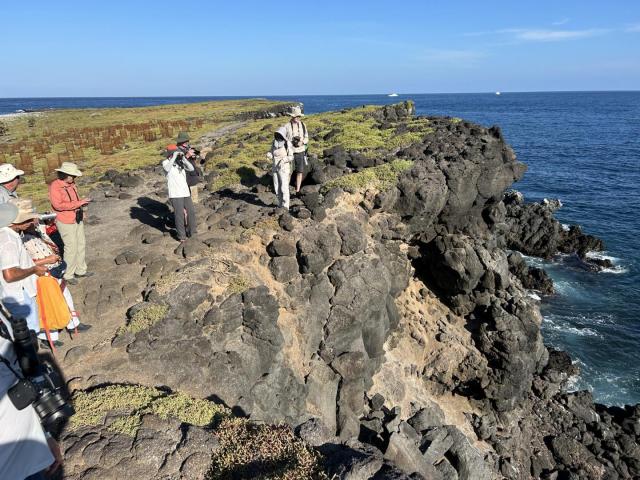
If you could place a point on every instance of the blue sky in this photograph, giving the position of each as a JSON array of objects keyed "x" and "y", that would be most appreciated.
[{"x": 149, "y": 48}]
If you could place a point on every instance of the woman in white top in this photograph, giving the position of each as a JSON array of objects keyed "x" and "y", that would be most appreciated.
[{"x": 176, "y": 167}]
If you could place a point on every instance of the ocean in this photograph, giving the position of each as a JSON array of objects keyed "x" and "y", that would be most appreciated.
[{"x": 580, "y": 147}]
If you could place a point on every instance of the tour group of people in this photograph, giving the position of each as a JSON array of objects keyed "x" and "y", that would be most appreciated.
[
  {"x": 39, "y": 258},
  {"x": 31, "y": 249},
  {"x": 40, "y": 255},
  {"x": 181, "y": 164}
]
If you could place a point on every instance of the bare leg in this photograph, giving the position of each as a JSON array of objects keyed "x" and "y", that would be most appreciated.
[{"x": 298, "y": 181}]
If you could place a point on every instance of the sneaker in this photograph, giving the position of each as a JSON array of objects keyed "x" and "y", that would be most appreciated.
[
  {"x": 83, "y": 327},
  {"x": 45, "y": 344},
  {"x": 71, "y": 281},
  {"x": 85, "y": 274}
]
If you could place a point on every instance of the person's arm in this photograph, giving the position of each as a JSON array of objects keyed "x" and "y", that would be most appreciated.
[
  {"x": 54, "y": 446},
  {"x": 60, "y": 200},
  {"x": 47, "y": 260},
  {"x": 15, "y": 274}
]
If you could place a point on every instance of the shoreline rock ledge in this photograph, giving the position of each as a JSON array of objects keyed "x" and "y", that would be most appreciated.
[{"x": 387, "y": 319}]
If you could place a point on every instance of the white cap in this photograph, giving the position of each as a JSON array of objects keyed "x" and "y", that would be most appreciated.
[{"x": 8, "y": 172}]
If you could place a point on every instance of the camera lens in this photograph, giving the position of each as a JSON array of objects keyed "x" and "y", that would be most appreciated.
[{"x": 53, "y": 410}]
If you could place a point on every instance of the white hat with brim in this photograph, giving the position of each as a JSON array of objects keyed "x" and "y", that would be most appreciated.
[
  {"x": 8, "y": 213},
  {"x": 70, "y": 169},
  {"x": 8, "y": 172},
  {"x": 296, "y": 112},
  {"x": 25, "y": 210}
]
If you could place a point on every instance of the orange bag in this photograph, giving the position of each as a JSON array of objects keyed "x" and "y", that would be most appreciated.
[{"x": 52, "y": 307}]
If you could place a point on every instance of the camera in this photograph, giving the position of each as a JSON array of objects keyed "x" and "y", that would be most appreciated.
[
  {"x": 47, "y": 217},
  {"x": 297, "y": 142},
  {"x": 40, "y": 384}
]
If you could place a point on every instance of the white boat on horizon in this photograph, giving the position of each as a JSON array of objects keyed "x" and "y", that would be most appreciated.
[
  {"x": 392, "y": 95},
  {"x": 498, "y": 93}
]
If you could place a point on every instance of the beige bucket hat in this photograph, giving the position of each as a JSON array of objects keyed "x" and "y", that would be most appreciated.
[
  {"x": 296, "y": 111},
  {"x": 8, "y": 213},
  {"x": 25, "y": 210},
  {"x": 70, "y": 169},
  {"x": 8, "y": 172}
]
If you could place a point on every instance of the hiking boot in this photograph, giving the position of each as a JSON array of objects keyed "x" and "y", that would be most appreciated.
[
  {"x": 71, "y": 281},
  {"x": 83, "y": 327},
  {"x": 85, "y": 274}
]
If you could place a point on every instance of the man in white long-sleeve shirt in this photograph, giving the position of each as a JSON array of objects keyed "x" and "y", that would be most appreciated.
[{"x": 176, "y": 167}]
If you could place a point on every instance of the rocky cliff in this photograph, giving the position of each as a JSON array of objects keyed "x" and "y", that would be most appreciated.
[{"x": 386, "y": 319}]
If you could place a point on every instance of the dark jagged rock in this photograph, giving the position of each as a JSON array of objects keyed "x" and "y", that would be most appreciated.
[
  {"x": 345, "y": 265},
  {"x": 97, "y": 452},
  {"x": 532, "y": 278},
  {"x": 533, "y": 230}
]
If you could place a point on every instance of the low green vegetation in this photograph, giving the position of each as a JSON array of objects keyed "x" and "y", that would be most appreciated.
[
  {"x": 144, "y": 318},
  {"x": 102, "y": 139},
  {"x": 356, "y": 129},
  {"x": 131, "y": 402},
  {"x": 238, "y": 284},
  {"x": 248, "y": 450},
  {"x": 381, "y": 178}
]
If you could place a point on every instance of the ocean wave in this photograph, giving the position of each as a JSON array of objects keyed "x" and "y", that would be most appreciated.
[
  {"x": 566, "y": 288},
  {"x": 580, "y": 324},
  {"x": 602, "y": 256},
  {"x": 564, "y": 328},
  {"x": 617, "y": 269}
]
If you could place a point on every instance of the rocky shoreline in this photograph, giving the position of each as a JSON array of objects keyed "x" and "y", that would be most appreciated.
[{"x": 387, "y": 319}]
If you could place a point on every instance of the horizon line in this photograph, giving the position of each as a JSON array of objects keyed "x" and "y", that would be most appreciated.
[{"x": 325, "y": 94}]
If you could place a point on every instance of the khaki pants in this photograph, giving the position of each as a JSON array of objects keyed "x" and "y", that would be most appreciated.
[
  {"x": 194, "y": 193},
  {"x": 74, "y": 248}
]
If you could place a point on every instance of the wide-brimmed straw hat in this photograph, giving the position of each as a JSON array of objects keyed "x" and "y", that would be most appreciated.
[
  {"x": 8, "y": 172},
  {"x": 70, "y": 169},
  {"x": 8, "y": 213},
  {"x": 295, "y": 112},
  {"x": 25, "y": 210}
]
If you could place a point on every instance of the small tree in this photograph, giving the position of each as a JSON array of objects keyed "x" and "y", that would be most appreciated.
[
  {"x": 31, "y": 122},
  {"x": 3, "y": 129}
]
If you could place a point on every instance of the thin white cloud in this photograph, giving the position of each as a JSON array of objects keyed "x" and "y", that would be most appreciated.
[
  {"x": 635, "y": 28},
  {"x": 509, "y": 35},
  {"x": 564, "y": 21},
  {"x": 542, "y": 35}
]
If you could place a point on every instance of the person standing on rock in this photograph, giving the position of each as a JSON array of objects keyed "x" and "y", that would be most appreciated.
[
  {"x": 281, "y": 155},
  {"x": 9, "y": 181},
  {"x": 194, "y": 176},
  {"x": 299, "y": 137},
  {"x": 66, "y": 202},
  {"x": 176, "y": 166}
]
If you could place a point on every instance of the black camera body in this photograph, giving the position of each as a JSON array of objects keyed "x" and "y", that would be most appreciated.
[
  {"x": 41, "y": 385},
  {"x": 297, "y": 142}
]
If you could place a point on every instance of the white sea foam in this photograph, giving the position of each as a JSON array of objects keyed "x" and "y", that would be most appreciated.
[
  {"x": 565, "y": 326},
  {"x": 602, "y": 256},
  {"x": 565, "y": 227},
  {"x": 616, "y": 269},
  {"x": 535, "y": 296}
]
